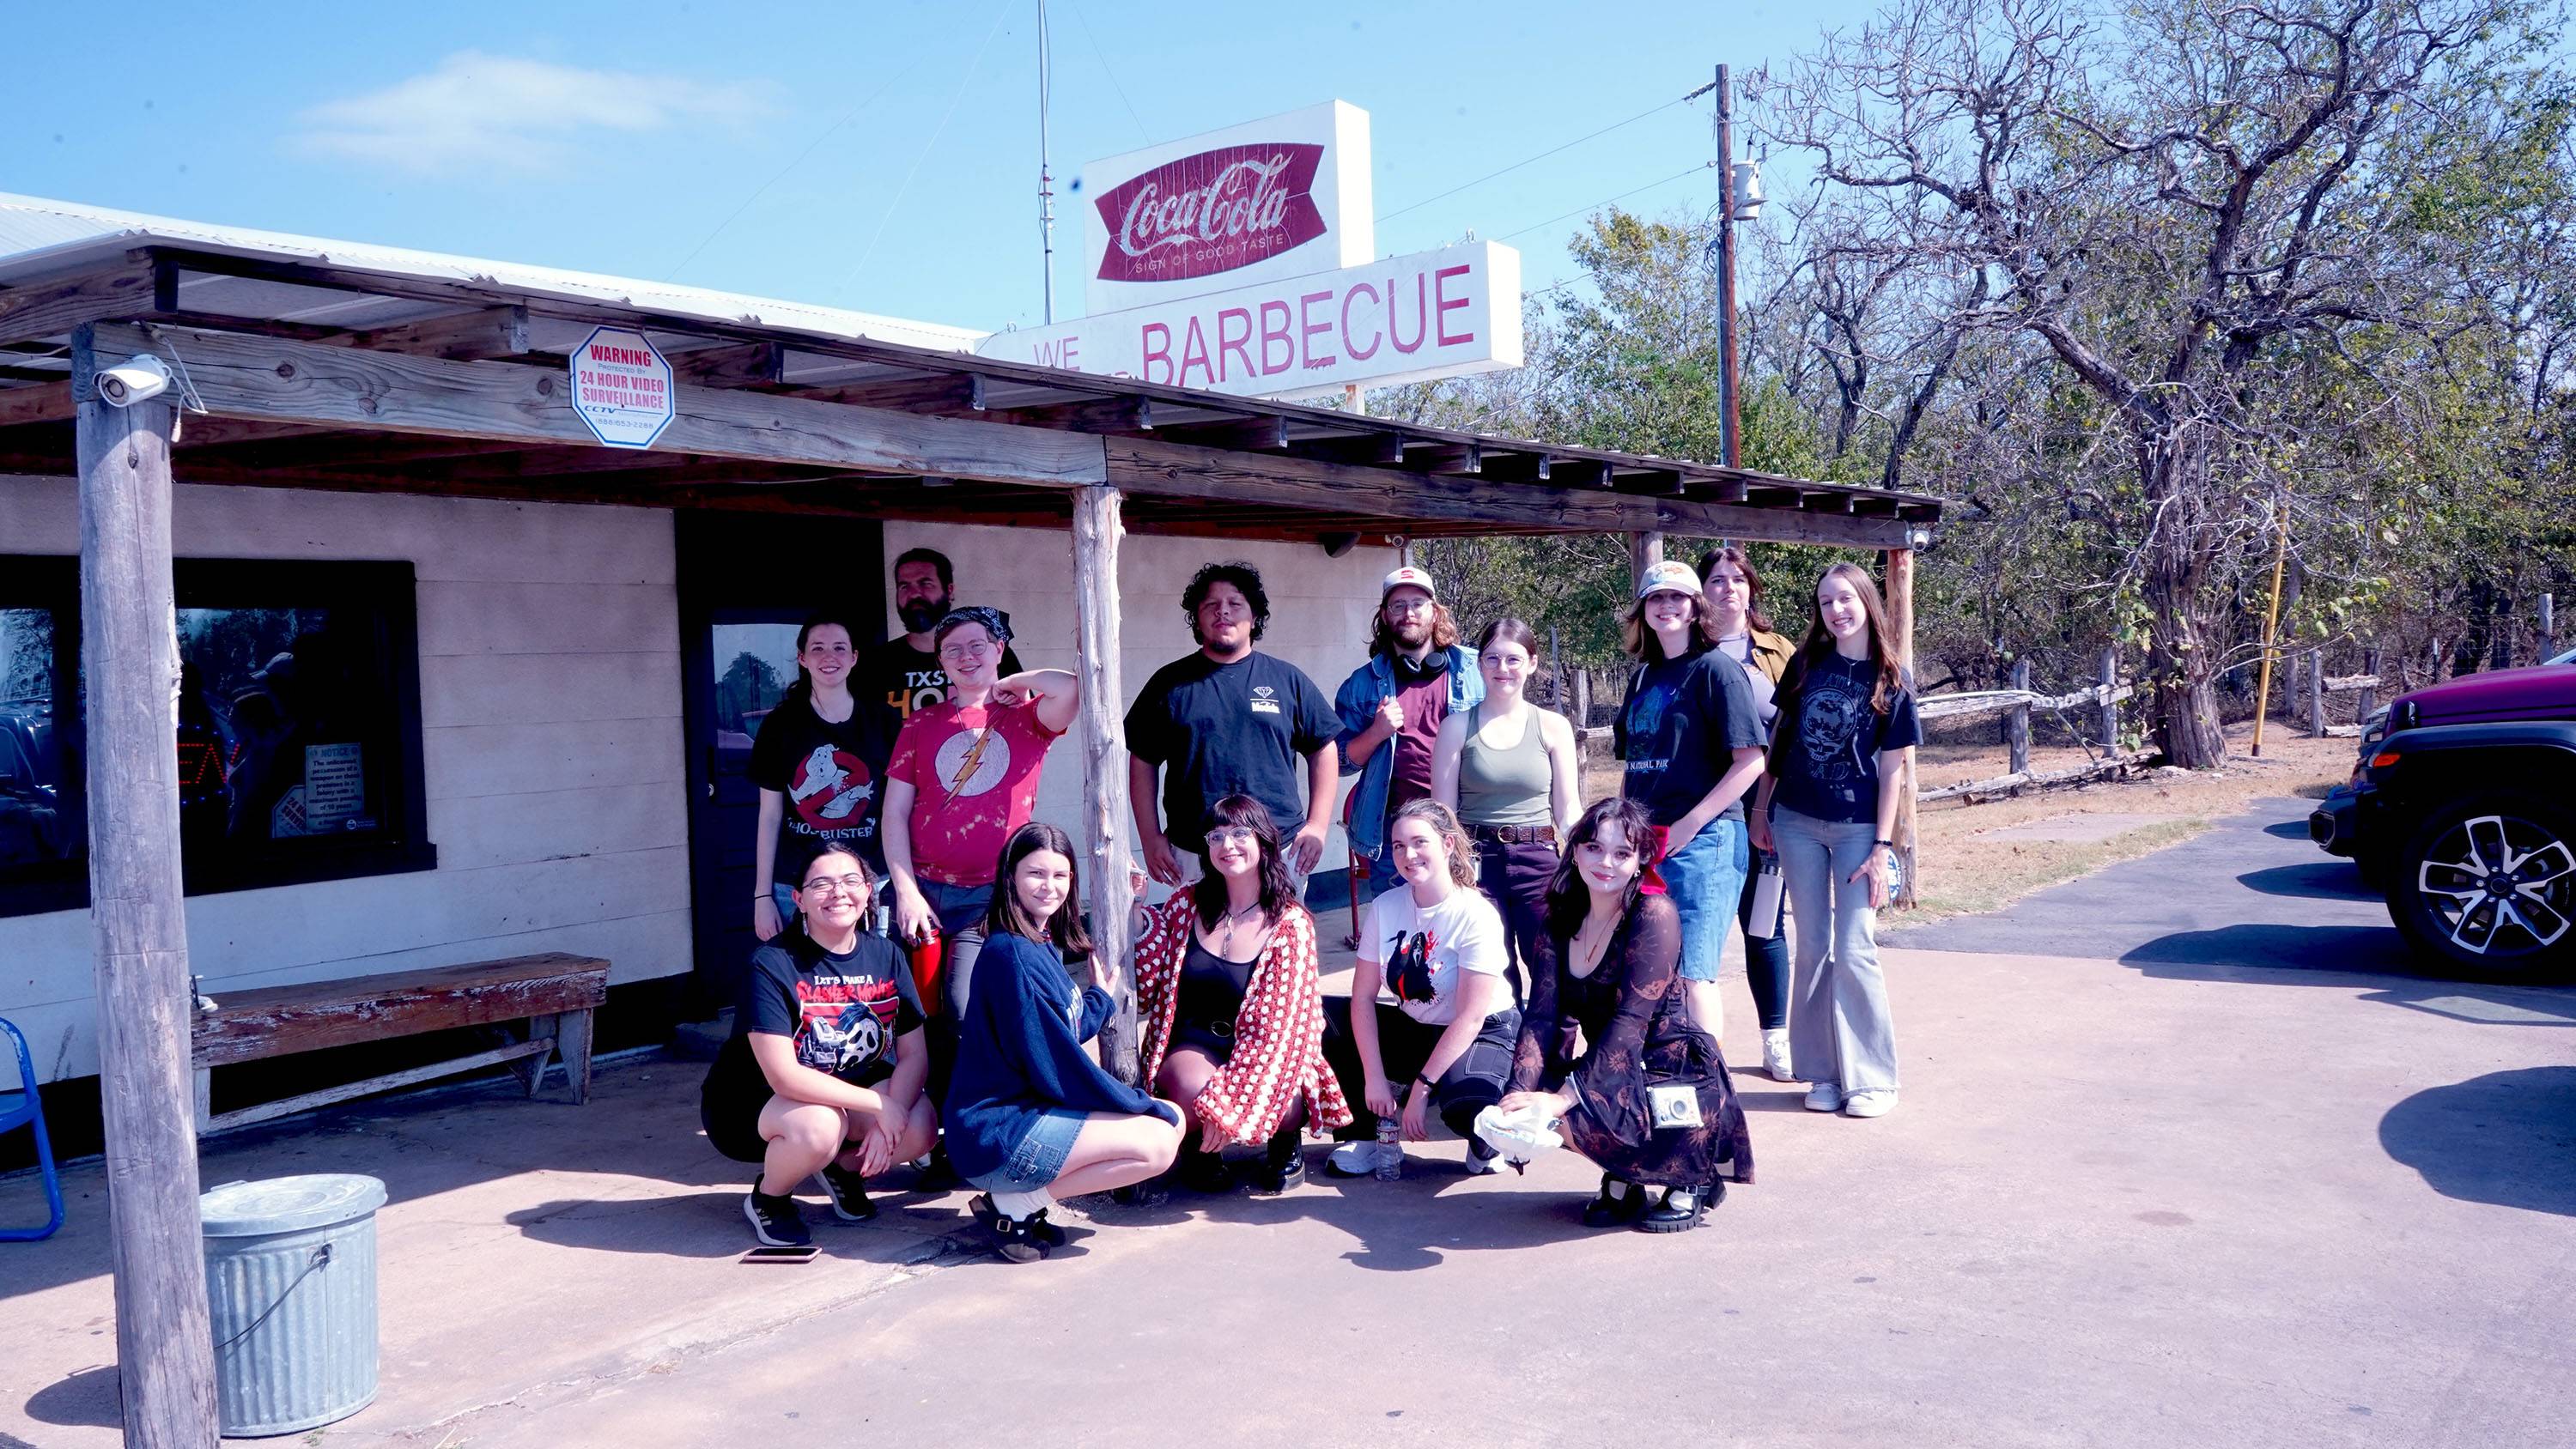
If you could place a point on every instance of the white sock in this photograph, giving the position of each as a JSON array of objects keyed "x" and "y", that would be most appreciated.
[{"x": 1021, "y": 1204}]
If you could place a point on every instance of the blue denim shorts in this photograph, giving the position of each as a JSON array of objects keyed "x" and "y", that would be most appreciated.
[
  {"x": 1707, "y": 883},
  {"x": 1039, "y": 1159}
]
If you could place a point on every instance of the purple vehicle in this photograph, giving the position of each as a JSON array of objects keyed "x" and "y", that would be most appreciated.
[{"x": 2461, "y": 811}]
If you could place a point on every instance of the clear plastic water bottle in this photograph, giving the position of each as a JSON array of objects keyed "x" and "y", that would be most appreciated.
[
  {"x": 1390, "y": 1149},
  {"x": 1895, "y": 874},
  {"x": 1766, "y": 898}
]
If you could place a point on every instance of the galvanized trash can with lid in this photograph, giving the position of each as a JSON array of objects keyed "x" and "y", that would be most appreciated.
[{"x": 291, "y": 1282}]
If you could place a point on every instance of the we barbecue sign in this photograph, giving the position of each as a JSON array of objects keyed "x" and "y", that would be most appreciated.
[{"x": 621, "y": 388}]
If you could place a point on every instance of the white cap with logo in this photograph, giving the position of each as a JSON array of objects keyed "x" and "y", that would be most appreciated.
[{"x": 1408, "y": 577}]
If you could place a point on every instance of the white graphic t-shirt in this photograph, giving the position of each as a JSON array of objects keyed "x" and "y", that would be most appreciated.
[{"x": 1420, "y": 950}]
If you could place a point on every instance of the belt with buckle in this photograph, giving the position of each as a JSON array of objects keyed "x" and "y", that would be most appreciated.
[{"x": 1515, "y": 834}]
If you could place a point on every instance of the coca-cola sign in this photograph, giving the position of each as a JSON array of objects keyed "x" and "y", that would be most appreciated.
[{"x": 1211, "y": 212}]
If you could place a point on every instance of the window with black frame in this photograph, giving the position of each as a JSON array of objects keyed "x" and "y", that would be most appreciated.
[{"x": 298, "y": 735}]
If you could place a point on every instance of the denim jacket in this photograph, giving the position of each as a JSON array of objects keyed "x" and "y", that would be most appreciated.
[{"x": 1361, "y": 694}]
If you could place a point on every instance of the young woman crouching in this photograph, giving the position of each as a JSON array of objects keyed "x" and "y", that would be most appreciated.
[{"x": 1031, "y": 1118}]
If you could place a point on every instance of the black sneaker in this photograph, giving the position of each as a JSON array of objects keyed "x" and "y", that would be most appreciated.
[
  {"x": 1283, "y": 1166},
  {"x": 936, "y": 1174},
  {"x": 1681, "y": 1210},
  {"x": 1204, "y": 1172},
  {"x": 849, "y": 1193},
  {"x": 1622, "y": 1209},
  {"x": 775, "y": 1221}
]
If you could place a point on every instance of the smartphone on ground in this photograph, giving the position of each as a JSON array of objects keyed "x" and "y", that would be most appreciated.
[{"x": 782, "y": 1255}]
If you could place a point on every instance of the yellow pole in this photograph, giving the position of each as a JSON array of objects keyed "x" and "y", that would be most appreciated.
[{"x": 2271, "y": 624}]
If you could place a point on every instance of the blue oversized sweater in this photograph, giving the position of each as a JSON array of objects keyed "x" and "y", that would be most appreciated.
[{"x": 1019, "y": 1053}]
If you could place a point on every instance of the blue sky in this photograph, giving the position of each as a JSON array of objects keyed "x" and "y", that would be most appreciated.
[{"x": 879, "y": 156}]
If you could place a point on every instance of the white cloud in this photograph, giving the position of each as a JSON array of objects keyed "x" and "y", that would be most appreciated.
[{"x": 497, "y": 112}]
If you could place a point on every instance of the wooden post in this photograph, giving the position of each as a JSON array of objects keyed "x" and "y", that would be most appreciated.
[
  {"x": 2017, "y": 721},
  {"x": 1583, "y": 698},
  {"x": 2271, "y": 624},
  {"x": 165, "y": 1347},
  {"x": 1645, "y": 550},
  {"x": 1096, "y": 532},
  {"x": 1555, "y": 671},
  {"x": 2548, "y": 626},
  {"x": 2369, "y": 700},
  {"x": 1900, "y": 621},
  {"x": 2110, "y": 706},
  {"x": 2316, "y": 694}
]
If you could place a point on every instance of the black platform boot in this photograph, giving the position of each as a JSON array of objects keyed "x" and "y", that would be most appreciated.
[{"x": 1617, "y": 1208}]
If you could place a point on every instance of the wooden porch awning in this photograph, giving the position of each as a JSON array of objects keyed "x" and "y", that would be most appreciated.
[{"x": 314, "y": 373}]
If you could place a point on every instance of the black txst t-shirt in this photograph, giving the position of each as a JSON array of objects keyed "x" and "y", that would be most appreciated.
[
  {"x": 842, "y": 1013},
  {"x": 832, "y": 776},
  {"x": 894, "y": 679},
  {"x": 1679, "y": 731},
  {"x": 1243, "y": 728}
]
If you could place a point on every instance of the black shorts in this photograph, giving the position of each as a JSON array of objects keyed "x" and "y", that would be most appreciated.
[{"x": 732, "y": 1118}]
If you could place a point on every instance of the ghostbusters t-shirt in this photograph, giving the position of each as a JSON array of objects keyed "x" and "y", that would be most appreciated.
[
  {"x": 829, "y": 774},
  {"x": 1420, "y": 950},
  {"x": 842, "y": 1013},
  {"x": 974, "y": 777}
]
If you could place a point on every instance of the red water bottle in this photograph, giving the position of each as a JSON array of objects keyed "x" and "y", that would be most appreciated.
[{"x": 926, "y": 954}]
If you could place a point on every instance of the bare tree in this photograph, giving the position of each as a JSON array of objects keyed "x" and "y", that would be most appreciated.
[{"x": 2192, "y": 207}]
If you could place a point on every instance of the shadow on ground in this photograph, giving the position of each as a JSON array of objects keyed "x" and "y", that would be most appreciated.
[
  {"x": 87, "y": 1399},
  {"x": 2507, "y": 1138}
]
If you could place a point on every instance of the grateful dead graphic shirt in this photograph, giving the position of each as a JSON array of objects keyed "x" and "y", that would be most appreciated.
[
  {"x": 1421, "y": 949},
  {"x": 833, "y": 792},
  {"x": 1828, "y": 755},
  {"x": 843, "y": 1013}
]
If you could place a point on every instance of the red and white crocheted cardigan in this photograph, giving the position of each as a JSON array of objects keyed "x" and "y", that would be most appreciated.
[{"x": 1278, "y": 1033}]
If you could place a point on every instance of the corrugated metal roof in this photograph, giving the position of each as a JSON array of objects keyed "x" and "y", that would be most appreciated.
[{"x": 40, "y": 236}]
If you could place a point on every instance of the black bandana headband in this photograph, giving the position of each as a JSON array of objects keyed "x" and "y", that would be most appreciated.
[{"x": 995, "y": 622}]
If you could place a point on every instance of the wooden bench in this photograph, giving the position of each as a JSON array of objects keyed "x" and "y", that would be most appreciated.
[{"x": 553, "y": 994}]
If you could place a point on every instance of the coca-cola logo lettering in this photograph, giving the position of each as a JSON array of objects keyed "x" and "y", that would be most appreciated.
[{"x": 1212, "y": 212}]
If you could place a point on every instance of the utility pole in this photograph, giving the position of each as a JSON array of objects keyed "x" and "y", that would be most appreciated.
[
  {"x": 1046, "y": 179},
  {"x": 1728, "y": 445}
]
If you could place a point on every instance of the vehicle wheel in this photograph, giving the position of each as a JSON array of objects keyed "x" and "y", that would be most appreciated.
[{"x": 2487, "y": 886}]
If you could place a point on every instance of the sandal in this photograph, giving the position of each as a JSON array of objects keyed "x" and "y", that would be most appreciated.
[{"x": 1612, "y": 1210}]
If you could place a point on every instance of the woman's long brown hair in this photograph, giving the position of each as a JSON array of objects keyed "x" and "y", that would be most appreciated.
[{"x": 1818, "y": 646}]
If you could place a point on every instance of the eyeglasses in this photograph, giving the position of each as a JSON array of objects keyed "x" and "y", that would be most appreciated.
[
  {"x": 1233, "y": 835},
  {"x": 848, "y": 885},
  {"x": 1408, "y": 606},
  {"x": 968, "y": 650}
]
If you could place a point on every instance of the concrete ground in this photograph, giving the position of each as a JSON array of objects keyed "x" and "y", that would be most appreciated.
[{"x": 2132, "y": 1197}]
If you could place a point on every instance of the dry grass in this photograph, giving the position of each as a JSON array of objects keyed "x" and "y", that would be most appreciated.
[{"x": 1965, "y": 871}]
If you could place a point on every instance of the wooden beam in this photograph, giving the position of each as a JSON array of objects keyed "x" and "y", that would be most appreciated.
[
  {"x": 298, "y": 382},
  {"x": 1645, "y": 550},
  {"x": 46, "y": 403},
  {"x": 1152, "y": 466},
  {"x": 1098, "y": 415},
  {"x": 52, "y": 308},
  {"x": 1466, "y": 458},
  {"x": 464, "y": 337},
  {"x": 1104, "y": 762},
  {"x": 1243, "y": 435},
  {"x": 1900, "y": 622},
  {"x": 961, "y": 392},
  {"x": 1375, "y": 449},
  {"x": 130, "y": 661},
  {"x": 743, "y": 365}
]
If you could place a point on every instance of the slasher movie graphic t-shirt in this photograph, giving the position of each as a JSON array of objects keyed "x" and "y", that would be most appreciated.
[
  {"x": 1243, "y": 728},
  {"x": 843, "y": 1013},
  {"x": 1420, "y": 950},
  {"x": 1829, "y": 761},
  {"x": 825, "y": 771},
  {"x": 974, "y": 777},
  {"x": 1679, "y": 731}
]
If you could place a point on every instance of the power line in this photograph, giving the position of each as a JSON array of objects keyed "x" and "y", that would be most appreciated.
[
  {"x": 1622, "y": 196},
  {"x": 810, "y": 147},
  {"x": 1085, "y": 22},
  {"x": 1543, "y": 155},
  {"x": 999, "y": 13}
]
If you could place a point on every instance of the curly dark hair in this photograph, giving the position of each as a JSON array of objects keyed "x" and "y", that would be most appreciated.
[
  {"x": 1246, "y": 580},
  {"x": 1278, "y": 888}
]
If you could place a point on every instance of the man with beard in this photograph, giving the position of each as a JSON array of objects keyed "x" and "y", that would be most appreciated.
[
  {"x": 1417, "y": 675},
  {"x": 1229, "y": 720},
  {"x": 902, "y": 674}
]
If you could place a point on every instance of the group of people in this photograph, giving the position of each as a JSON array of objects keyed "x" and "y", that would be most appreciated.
[{"x": 1525, "y": 956}]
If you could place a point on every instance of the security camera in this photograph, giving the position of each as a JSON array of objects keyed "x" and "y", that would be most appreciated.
[{"x": 133, "y": 380}]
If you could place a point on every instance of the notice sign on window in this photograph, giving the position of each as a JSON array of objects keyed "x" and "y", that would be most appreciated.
[
  {"x": 335, "y": 786},
  {"x": 621, "y": 387}
]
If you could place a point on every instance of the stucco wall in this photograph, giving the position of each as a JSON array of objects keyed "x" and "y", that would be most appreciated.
[
  {"x": 550, "y": 701},
  {"x": 1320, "y": 610}
]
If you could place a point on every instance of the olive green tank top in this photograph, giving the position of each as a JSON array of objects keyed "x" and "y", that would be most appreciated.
[{"x": 1507, "y": 786}]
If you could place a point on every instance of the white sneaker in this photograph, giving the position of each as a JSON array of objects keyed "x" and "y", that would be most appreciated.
[
  {"x": 1775, "y": 1055},
  {"x": 1355, "y": 1159},
  {"x": 1825, "y": 1097},
  {"x": 1480, "y": 1158},
  {"x": 1876, "y": 1102}
]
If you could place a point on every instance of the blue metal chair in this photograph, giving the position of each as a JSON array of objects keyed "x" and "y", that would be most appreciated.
[{"x": 25, "y": 1107}]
